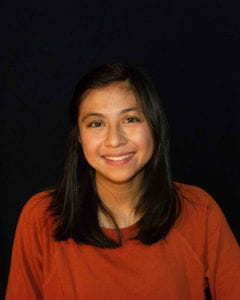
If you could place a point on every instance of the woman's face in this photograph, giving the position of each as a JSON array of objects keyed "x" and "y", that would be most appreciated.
[{"x": 115, "y": 136}]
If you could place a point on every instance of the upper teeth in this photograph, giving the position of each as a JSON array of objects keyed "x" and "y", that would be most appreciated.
[{"x": 118, "y": 157}]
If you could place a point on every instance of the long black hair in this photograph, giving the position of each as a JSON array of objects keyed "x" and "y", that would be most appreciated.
[{"x": 75, "y": 201}]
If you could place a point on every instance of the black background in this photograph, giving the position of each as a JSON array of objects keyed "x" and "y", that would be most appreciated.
[{"x": 191, "y": 48}]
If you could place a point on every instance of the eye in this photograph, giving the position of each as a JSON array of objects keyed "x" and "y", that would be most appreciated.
[
  {"x": 132, "y": 120},
  {"x": 95, "y": 124}
]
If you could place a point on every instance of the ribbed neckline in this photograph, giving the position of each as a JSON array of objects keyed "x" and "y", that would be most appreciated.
[
  {"x": 122, "y": 229},
  {"x": 127, "y": 232}
]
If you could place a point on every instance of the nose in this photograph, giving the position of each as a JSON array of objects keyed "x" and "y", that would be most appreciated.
[{"x": 115, "y": 136}]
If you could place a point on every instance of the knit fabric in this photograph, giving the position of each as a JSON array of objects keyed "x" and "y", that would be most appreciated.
[{"x": 199, "y": 250}]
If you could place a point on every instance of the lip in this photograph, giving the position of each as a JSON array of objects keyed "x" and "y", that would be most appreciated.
[
  {"x": 119, "y": 158},
  {"x": 118, "y": 154}
]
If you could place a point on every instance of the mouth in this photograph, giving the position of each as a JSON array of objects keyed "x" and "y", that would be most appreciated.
[{"x": 119, "y": 157}]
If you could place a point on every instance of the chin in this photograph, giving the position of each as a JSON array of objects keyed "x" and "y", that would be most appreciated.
[{"x": 124, "y": 179}]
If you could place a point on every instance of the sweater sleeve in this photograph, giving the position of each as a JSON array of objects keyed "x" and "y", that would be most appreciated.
[
  {"x": 25, "y": 276},
  {"x": 223, "y": 256}
]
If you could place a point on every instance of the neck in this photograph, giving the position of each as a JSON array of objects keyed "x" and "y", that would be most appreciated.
[{"x": 120, "y": 199}]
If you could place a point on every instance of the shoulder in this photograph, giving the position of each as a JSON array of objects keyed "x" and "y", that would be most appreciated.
[
  {"x": 38, "y": 203},
  {"x": 196, "y": 200},
  {"x": 35, "y": 211},
  {"x": 200, "y": 216}
]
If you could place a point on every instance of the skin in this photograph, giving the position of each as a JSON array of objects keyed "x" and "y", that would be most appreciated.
[{"x": 117, "y": 142}]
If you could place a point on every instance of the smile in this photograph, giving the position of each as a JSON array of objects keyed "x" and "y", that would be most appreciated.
[{"x": 117, "y": 158}]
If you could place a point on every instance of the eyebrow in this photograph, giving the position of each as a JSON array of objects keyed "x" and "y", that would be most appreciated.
[{"x": 95, "y": 114}]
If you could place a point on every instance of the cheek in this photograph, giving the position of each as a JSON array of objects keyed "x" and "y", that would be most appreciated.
[
  {"x": 89, "y": 143},
  {"x": 144, "y": 139}
]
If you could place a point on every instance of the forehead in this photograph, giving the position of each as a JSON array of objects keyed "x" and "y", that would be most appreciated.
[{"x": 118, "y": 95}]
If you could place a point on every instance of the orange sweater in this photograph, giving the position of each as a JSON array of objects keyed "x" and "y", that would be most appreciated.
[{"x": 199, "y": 249}]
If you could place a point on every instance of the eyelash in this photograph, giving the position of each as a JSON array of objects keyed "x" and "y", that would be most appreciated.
[
  {"x": 96, "y": 124},
  {"x": 134, "y": 119},
  {"x": 93, "y": 124}
]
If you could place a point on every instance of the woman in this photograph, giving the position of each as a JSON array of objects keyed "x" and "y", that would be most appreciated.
[{"x": 116, "y": 226}]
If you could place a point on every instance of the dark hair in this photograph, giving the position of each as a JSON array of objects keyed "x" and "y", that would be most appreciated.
[{"x": 75, "y": 201}]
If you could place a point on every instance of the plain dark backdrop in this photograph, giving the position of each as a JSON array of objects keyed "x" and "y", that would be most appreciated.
[{"x": 191, "y": 48}]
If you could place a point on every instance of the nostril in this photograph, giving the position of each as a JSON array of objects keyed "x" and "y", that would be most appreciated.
[{"x": 115, "y": 137}]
